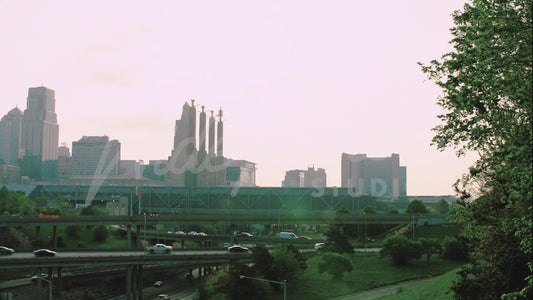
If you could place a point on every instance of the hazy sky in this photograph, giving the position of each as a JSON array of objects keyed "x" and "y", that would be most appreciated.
[{"x": 300, "y": 82}]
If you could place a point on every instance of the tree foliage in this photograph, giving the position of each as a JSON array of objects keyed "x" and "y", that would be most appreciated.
[
  {"x": 430, "y": 247},
  {"x": 100, "y": 233},
  {"x": 288, "y": 263},
  {"x": 392, "y": 210},
  {"x": 336, "y": 241},
  {"x": 442, "y": 207},
  {"x": 335, "y": 264},
  {"x": 487, "y": 98},
  {"x": 416, "y": 207},
  {"x": 401, "y": 249}
]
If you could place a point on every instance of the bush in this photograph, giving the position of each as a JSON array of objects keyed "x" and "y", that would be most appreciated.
[
  {"x": 454, "y": 249},
  {"x": 335, "y": 264},
  {"x": 100, "y": 233},
  {"x": 401, "y": 249}
]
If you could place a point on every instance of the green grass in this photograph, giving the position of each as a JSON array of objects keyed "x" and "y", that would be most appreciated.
[
  {"x": 369, "y": 271},
  {"x": 435, "y": 289}
]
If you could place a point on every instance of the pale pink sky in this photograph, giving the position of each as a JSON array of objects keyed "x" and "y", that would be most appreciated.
[{"x": 300, "y": 82}]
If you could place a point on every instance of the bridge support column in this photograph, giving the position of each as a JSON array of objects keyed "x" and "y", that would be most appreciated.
[
  {"x": 129, "y": 295},
  {"x": 129, "y": 235},
  {"x": 19, "y": 235},
  {"x": 140, "y": 282},
  {"x": 59, "y": 285},
  {"x": 54, "y": 237},
  {"x": 37, "y": 232},
  {"x": 138, "y": 237}
]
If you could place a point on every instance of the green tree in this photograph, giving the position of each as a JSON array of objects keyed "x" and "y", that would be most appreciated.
[
  {"x": 454, "y": 249},
  {"x": 430, "y": 247},
  {"x": 100, "y": 233},
  {"x": 401, "y": 249},
  {"x": 392, "y": 210},
  {"x": 368, "y": 210},
  {"x": 335, "y": 264},
  {"x": 336, "y": 241},
  {"x": 416, "y": 207},
  {"x": 348, "y": 229},
  {"x": 442, "y": 207},
  {"x": 487, "y": 98},
  {"x": 285, "y": 265}
]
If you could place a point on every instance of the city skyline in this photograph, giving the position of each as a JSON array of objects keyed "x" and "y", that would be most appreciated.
[{"x": 295, "y": 91}]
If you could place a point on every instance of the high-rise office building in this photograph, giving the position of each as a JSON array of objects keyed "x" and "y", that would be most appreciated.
[
  {"x": 63, "y": 162},
  {"x": 374, "y": 176},
  {"x": 315, "y": 178},
  {"x": 10, "y": 137},
  {"x": 95, "y": 155},
  {"x": 40, "y": 135}
]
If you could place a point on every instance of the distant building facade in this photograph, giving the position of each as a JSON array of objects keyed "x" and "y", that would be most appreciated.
[
  {"x": 240, "y": 172},
  {"x": 382, "y": 177},
  {"x": 63, "y": 162},
  {"x": 40, "y": 135},
  {"x": 9, "y": 173},
  {"x": 95, "y": 155},
  {"x": 10, "y": 137},
  {"x": 189, "y": 166},
  {"x": 305, "y": 178}
]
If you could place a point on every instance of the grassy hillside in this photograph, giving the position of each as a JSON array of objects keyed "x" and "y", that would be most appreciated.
[
  {"x": 369, "y": 271},
  {"x": 435, "y": 289}
]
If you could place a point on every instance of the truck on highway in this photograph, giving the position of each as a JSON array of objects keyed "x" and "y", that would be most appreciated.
[
  {"x": 159, "y": 248},
  {"x": 287, "y": 235}
]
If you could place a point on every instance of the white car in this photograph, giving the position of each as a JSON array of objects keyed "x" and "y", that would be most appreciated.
[
  {"x": 159, "y": 248},
  {"x": 319, "y": 246}
]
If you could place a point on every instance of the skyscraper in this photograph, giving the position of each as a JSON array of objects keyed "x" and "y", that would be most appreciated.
[
  {"x": 95, "y": 155},
  {"x": 374, "y": 176},
  {"x": 40, "y": 135},
  {"x": 10, "y": 137}
]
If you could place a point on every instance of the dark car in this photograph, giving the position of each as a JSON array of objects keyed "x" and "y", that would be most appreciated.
[
  {"x": 44, "y": 252},
  {"x": 365, "y": 240},
  {"x": 237, "y": 248},
  {"x": 6, "y": 250}
]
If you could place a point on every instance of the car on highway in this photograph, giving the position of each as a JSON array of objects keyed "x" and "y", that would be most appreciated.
[
  {"x": 226, "y": 245},
  {"x": 6, "y": 251},
  {"x": 237, "y": 248},
  {"x": 159, "y": 248},
  {"x": 180, "y": 233},
  {"x": 44, "y": 252},
  {"x": 365, "y": 240},
  {"x": 36, "y": 277},
  {"x": 304, "y": 237},
  {"x": 243, "y": 235},
  {"x": 319, "y": 246},
  {"x": 158, "y": 283},
  {"x": 163, "y": 297}
]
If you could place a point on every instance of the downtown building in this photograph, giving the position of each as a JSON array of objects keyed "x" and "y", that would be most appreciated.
[
  {"x": 374, "y": 176},
  {"x": 313, "y": 178},
  {"x": 95, "y": 155},
  {"x": 39, "y": 136},
  {"x": 206, "y": 165}
]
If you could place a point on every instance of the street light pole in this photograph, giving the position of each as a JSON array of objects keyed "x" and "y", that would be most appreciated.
[
  {"x": 284, "y": 283},
  {"x": 145, "y": 226}
]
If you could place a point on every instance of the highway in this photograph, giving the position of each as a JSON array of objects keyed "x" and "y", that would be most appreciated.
[{"x": 122, "y": 258}]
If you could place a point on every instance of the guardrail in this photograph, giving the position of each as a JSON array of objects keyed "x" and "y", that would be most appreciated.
[{"x": 221, "y": 219}]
